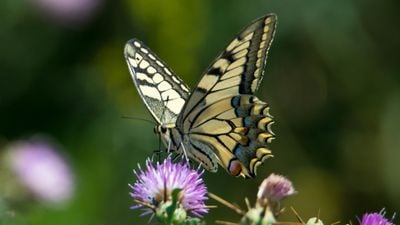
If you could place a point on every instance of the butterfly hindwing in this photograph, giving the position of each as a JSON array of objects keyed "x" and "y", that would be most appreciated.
[
  {"x": 163, "y": 92},
  {"x": 222, "y": 111},
  {"x": 238, "y": 129}
]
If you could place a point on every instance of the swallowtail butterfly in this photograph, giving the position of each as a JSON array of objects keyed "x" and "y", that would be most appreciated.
[{"x": 220, "y": 121}]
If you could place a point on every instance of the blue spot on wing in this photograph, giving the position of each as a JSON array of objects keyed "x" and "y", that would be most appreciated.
[
  {"x": 235, "y": 101},
  {"x": 248, "y": 122}
]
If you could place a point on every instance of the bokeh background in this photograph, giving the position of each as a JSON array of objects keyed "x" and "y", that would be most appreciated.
[{"x": 332, "y": 79}]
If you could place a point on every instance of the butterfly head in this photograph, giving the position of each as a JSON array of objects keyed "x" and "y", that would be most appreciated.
[
  {"x": 166, "y": 133},
  {"x": 160, "y": 129}
]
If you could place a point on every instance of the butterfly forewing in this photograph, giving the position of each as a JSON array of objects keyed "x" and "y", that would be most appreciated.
[
  {"x": 238, "y": 69},
  {"x": 163, "y": 92},
  {"x": 222, "y": 111}
]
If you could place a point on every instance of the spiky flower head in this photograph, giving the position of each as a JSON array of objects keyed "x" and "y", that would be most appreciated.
[
  {"x": 274, "y": 188},
  {"x": 375, "y": 219},
  {"x": 156, "y": 184}
]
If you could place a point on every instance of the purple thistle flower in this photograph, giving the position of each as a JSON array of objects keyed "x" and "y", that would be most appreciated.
[
  {"x": 42, "y": 170},
  {"x": 155, "y": 184},
  {"x": 375, "y": 219},
  {"x": 274, "y": 188}
]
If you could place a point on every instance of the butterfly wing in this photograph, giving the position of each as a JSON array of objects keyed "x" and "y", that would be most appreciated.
[
  {"x": 163, "y": 92},
  {"x": 222, "y": 112}
]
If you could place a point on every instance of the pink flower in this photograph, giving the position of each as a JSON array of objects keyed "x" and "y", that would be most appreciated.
[
  {"x": 275, "y": 188},
  {"x": 42, "y": 170},
  {"x": 155, "y": 184},
  {"x": 375, "y": 219}
]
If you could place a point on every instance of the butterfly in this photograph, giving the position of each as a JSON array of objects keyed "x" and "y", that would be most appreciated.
[{"x": 221, "y": 121}]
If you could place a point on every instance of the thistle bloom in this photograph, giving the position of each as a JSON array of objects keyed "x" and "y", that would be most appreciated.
[
  {"x": 156, "y": 183},
  {"x": 41, "y": 170},
  {"x": 375, "y": 219},
  {"x": 274, "y": 188}
]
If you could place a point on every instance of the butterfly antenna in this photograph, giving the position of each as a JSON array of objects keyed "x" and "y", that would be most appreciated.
[{"x": 137, "y": 118}]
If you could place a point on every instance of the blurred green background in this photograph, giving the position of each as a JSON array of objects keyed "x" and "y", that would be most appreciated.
[{"x": 332, "y": 79}]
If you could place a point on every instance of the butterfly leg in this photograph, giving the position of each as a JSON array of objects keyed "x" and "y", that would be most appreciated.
[
  {"x": 185, "y": 153},
  {"x": 169, "y": 146}
]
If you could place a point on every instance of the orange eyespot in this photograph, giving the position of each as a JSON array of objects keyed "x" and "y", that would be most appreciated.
[{"x": 235, "y": 167}]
